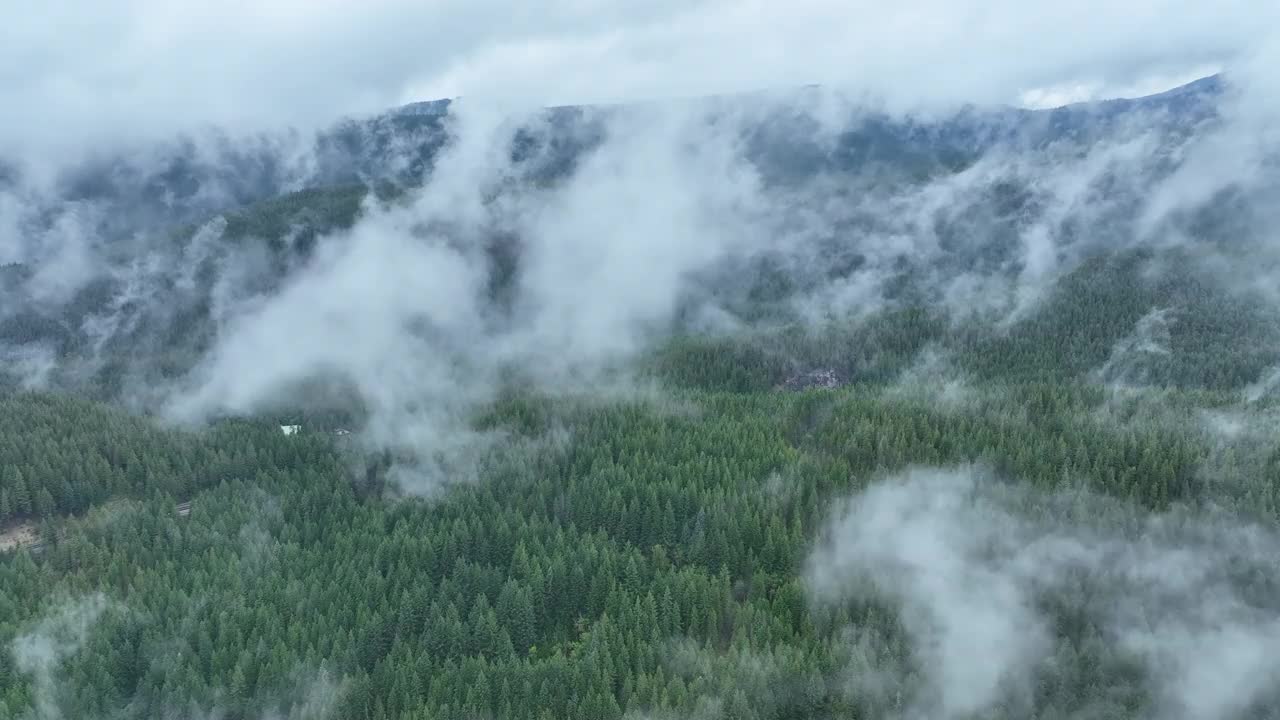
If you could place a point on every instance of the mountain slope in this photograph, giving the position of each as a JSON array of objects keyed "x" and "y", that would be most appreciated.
[{"x": 984, "y": 195}]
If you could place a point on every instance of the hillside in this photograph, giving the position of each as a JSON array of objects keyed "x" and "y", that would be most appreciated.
[
  {"x": 833, "y": 197},
  {"x": 714, "y": 409}
]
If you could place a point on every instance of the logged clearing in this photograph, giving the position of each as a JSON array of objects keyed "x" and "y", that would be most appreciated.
[{"x": 16, "y": 536}]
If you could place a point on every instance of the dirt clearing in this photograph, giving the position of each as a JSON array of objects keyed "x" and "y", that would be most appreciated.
[{"x": 19, "y": 535}]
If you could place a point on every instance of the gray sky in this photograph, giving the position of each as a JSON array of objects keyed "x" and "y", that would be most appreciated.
[{"x": 74, "y": 72}]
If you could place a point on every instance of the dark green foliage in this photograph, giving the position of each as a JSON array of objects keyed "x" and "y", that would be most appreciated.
[
  {"x": 303, "y": 215},
  {"x": 651, "y": 565},
  {"x": 1216, "y": 339},
  {"x": 1083, "y": 329},
  {"x": 615, "y": 559},
  {"x": 79, "y": 454}
]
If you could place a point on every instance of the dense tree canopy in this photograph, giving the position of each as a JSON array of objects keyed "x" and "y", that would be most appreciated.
[
  {"x": 651, "y": 564},
  {"x": 613, "y": 557}
]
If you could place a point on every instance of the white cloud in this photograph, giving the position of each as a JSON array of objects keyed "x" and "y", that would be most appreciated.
[
  {"x": 383, "y": 302},
  {"x": 966, "y": 560},
  {"x": 398, "y": 306},
  {"x": 72, "y": 73},
  {"x": 1079, "y": 91}
]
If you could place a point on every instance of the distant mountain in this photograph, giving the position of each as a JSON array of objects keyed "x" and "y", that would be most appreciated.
[
  {"x": 121, "y": 273},
  {"x": 192, "y": 177}
]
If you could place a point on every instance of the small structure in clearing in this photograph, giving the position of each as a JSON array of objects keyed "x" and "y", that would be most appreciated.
[{"x": 290, "y": 429}]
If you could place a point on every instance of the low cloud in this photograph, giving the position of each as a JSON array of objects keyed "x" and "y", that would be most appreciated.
[
  {"x": 147, "y": 69},
  {"x": 558, "y": 271},
  {"x": 560, "y": 268},
  {"x": 985, "y": 575},
  {"x": 403, "y": 307},
  {"x": 40, "y": 650}
]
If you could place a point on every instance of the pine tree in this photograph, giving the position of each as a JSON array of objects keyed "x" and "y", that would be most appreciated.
[{"x": 19, "y": 495}]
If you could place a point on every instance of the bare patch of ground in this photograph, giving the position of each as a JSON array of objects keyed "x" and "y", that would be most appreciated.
[
  {"x": 822, "y": 378},
  {"x": 19, "y": 535}
]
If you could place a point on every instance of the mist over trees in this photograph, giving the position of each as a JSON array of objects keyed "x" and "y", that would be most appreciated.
[{"x": 715, "y": 408}]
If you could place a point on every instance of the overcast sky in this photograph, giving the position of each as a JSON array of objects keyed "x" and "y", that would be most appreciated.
[{"x": 75, "y": 72}]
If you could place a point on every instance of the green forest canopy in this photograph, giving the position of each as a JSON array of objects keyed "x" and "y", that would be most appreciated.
[{"x": 651, "y": 565}]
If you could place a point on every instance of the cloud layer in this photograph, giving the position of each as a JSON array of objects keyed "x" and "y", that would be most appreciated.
[
  {"x": 987, "y": 576},
  {"x": 77, "y": 76},
  {"x": 402, "y": 309}
]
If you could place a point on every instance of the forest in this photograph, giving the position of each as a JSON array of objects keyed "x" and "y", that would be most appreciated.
[
  {"x": 906, "y": 506},
  {"x": 637, "y": 558}
]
